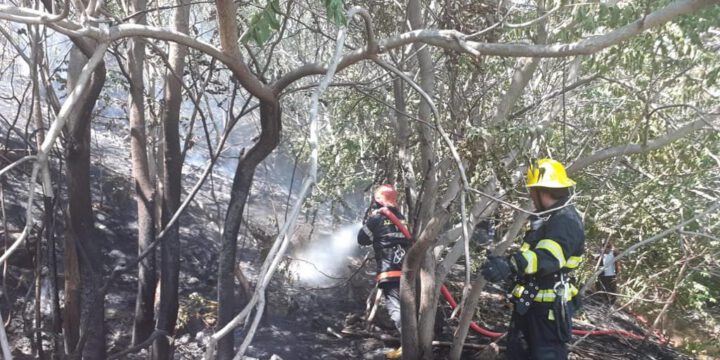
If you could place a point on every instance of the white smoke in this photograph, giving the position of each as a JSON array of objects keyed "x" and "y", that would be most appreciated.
[{"x": 325, "y": 261}]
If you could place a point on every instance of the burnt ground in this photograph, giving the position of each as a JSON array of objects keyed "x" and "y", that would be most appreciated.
[
  {"x": 301, "y": 322},
  {"x": 594, "y": 315}
]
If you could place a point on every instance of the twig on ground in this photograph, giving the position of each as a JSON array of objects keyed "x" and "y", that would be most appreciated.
[
  {"x": 156, "y": 334},
  {"x": 4, "y": 341}
]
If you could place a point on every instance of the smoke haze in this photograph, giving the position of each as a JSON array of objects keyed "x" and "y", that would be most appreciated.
[{"x": 325, "y": 260}]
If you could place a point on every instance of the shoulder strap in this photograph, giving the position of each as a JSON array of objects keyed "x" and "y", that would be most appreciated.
[{"x": 389, "y": 214}]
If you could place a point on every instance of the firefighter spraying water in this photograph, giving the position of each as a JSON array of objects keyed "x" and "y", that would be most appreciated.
[
  {"x": 383, "y": 229},
  {"x": 543, "y": 293}
]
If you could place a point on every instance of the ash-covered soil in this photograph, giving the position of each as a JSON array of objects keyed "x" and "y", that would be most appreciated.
[{"x": 321, "y": 319}]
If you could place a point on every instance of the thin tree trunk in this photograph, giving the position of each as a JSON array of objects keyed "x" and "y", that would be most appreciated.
[
  {"x": 79, "y": 225},
  {"x": 242, "y": 182},
  {"x": 427, "y": 198},
  {"x": 521, "y": 78},
  {"x": 428, "y": 305},
  {"x": 38, "y": 295},
  {"x": 410, "y": 269},
  {"x": 671, "y": 299},
  {"x": 144, "y": 187},
  {"x": 172, "y": 172},
  {"x": 54, "y": 286},
  {"x": 477, "y": 287},
  {"x": 5, "y": 236},
  {"x": 428, "y": 195},
  {"x": 4, "y": 344},
  {"x": 71, "y": 308},
  {"x": 83, "y": 256},
  {"x": 403, "y": 134},
  {"x": 47, "y": 202},
  {"x": 48, "y": 210}
]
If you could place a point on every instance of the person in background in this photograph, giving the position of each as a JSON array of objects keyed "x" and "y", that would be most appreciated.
[
  {"x": 608, "y": 278},
  {"x": 543, "y": 294},
  {"x": 389, "y": 244}
]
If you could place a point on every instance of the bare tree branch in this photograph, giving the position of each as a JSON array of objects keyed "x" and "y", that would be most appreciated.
[
  {"x": 41, "y": 164},
  {"x": 654, "y": 144},
  {"x": 448, "y": 39},
  {"x": 29, "y": 219},
  {"x": 536, "y": 20},
  {"x": 4, "y": 341},
  {"x": 17, "y": 163},
  {"x": 191, "y": 195},
  {"x": 227, "y": 27},
  {"x": 283, "y": 239},
  {"x": 571, "y": 87}
]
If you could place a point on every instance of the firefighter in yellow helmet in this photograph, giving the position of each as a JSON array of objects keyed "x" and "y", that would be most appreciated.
[{"x": 543, "y": 294}]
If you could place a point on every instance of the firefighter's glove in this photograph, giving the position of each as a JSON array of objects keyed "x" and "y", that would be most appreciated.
[{"x": 496, "y": 269}]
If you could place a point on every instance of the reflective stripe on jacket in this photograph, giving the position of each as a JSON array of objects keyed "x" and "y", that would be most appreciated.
[
  {"x": 554, "y": 246},
  {"x": 558, "y": 243}
]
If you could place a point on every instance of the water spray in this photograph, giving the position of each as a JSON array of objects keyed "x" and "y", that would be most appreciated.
[{"x": 324, "y": 260}]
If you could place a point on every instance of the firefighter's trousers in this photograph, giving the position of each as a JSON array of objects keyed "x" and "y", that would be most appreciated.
[
  {"x": 541, "y": 333},
  {"x": 392, "y": 302}
]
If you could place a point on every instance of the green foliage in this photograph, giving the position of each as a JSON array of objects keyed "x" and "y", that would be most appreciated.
[
  {"x": 263, "y": 24},
  {"x": 626, "y": 199},
  {"x": 702, "y": 295},
  {"x": 712, "y": 76},
  {"x": 336, "y": 11},
  {"x": 699, "y": 346}
]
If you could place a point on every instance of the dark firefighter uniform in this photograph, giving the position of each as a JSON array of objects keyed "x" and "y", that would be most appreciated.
[
  {"x": 389, "y": 245},
  {"x": 544, "y": 296}
]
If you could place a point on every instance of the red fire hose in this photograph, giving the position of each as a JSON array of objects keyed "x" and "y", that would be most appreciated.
[
  {"x": 474, "y": 326},
  {"x": 491, "y": 334},
  {"x": 484, "y": 332}
]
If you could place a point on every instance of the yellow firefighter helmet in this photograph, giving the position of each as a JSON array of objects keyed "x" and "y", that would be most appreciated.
[{"x": 548, "y": 173}]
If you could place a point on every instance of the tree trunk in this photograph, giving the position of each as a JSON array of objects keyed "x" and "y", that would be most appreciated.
[
  {"x": 428, "y": 305},
  {"x": 477, "y": 287},
  {"x": 172, "y": 172},
  {"x": 427, "y": 198},
  {"x": 242, "y": 181},
  {"x": 71, "y": 310},
  {"x": 54, "y": 286},
  {"x": 36, "y": 60},
  {"x": 227, "y": 306},
  {"x": 520, "y": 80},
  {"x": 84, "y": 305},
  {"x": 411, "y": 266},
  {"x": 144, "y": 187},
  {"x": 403, "y": 134}
]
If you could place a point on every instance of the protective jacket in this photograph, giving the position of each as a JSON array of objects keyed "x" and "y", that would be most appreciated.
[
  {"x": 542, "y": 322},
  {"x": 552, "y": 248},
  {"x": 389, "y": 244}
]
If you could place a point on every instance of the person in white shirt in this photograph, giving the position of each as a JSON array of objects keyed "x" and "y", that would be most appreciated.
[{"x": 608, "y": 277}]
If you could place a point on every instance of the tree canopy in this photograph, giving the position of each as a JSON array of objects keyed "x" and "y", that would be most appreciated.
[{"x": 449, "y": 100}]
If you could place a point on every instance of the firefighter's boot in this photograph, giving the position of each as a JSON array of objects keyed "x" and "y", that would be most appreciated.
[{"x": 394, "y": 354}]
